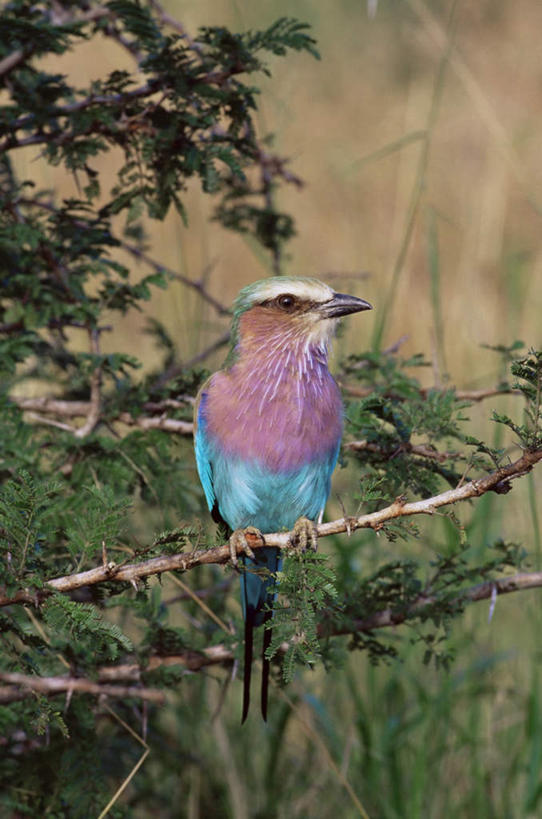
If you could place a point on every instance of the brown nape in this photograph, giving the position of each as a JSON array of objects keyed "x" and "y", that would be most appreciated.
[{"x": 288, "y": 303}]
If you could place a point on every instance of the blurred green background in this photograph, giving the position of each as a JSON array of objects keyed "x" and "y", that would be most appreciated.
[{"x": 418, "y": 136}]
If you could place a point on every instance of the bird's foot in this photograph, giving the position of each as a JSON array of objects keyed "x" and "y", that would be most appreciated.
[
  {"x": 238, "y": 543},
  {"x": 304, "y": 535}
]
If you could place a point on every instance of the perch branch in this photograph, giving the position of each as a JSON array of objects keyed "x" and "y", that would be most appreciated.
[{"x": 498, "y": 481}]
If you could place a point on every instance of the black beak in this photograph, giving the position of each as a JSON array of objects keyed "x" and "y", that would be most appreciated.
[{"x": 343, "y": 305}]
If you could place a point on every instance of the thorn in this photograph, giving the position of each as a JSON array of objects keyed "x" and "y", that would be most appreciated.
[
  {"x": 69, "y": 693},
  {"x": 347, "y": 518},
  {"x": 492, "y": 603}
]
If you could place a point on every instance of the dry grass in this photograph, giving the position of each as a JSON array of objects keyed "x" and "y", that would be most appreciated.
[{"x": 372, "y": 88}]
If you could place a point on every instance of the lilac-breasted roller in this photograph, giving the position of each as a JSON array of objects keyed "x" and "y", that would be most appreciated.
[{"x": 268, "y": 429}]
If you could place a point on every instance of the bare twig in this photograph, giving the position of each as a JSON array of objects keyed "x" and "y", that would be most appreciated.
[
  {"x": 191, "y": 660},
  {"x": 482, "y": 591},
  {"x": 74, "y": 409},
  {"x": 422, "y": 450},
  {"x": 137, "y": 253},
  {"x": 55, "y": 406},
  {"x": 175, "y": 24},
  {"x": 158, "y": 422},
  {"x": 51, "y": 422},
  {"x": 12, "y": 60},
  {"x": 199, "y": 286},
  {"x": 177, "y": 369},
  {"x": 498, "y": 480},
  {"x": 220, "y": 342},
  {"x": 461, "y": 395},
  {"x": 18, "y": 686}
]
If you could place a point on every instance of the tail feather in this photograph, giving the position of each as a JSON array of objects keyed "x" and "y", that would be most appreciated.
[
  {"x": 249, "y": 640},
  {"x": 266, "y": 665},
  {"x": 257, "y": 596}
]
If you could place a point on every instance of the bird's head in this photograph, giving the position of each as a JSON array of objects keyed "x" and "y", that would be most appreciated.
[{"x": 295, "y": 308}]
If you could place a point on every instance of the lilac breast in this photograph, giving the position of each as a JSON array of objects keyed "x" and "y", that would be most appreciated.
[{"x": 282, "y": 417}]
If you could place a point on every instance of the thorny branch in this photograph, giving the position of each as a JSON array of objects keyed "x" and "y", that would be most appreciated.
[
  {"x": 20, "y": 686},
  {"x": 497, "y": 481},
  {"x": 461, "y": 395}
]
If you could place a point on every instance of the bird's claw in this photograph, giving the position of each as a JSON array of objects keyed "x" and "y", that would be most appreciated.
[
  {"x": 304, "y": 535},
  {"x": 238, "y": 543}
]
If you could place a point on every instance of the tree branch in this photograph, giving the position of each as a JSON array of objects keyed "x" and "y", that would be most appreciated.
[
  {"x": 158, "y": 422},
  {"x": 11, "y": 61},
  {"x": 482, "y": 591},
  {"x": 137, "y": 253},
  {"x": 461, "y": 395},
  {"x": 421, "y": 450},
  {"x": 196, "y": 285},
  {"x": 497, "y": 481},
  {"x": 20, "y": 686},
  {"x": 220, "y": 654},
  {"x": 75, "y": 409},
  {"x": 192, "y": 660}
]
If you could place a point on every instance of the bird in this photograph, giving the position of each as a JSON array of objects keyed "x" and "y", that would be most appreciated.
[{"x": 267, "y": 432}]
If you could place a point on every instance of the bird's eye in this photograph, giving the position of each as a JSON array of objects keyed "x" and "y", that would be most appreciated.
[{"x": 286, "y": 302}]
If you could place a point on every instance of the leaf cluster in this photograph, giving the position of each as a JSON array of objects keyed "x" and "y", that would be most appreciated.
[
  {"x": 413, "y": 439},
  {"x": 528, "y": 372}
]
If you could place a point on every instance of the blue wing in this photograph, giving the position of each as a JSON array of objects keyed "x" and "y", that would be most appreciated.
[{"x": 203, "y": 455}]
